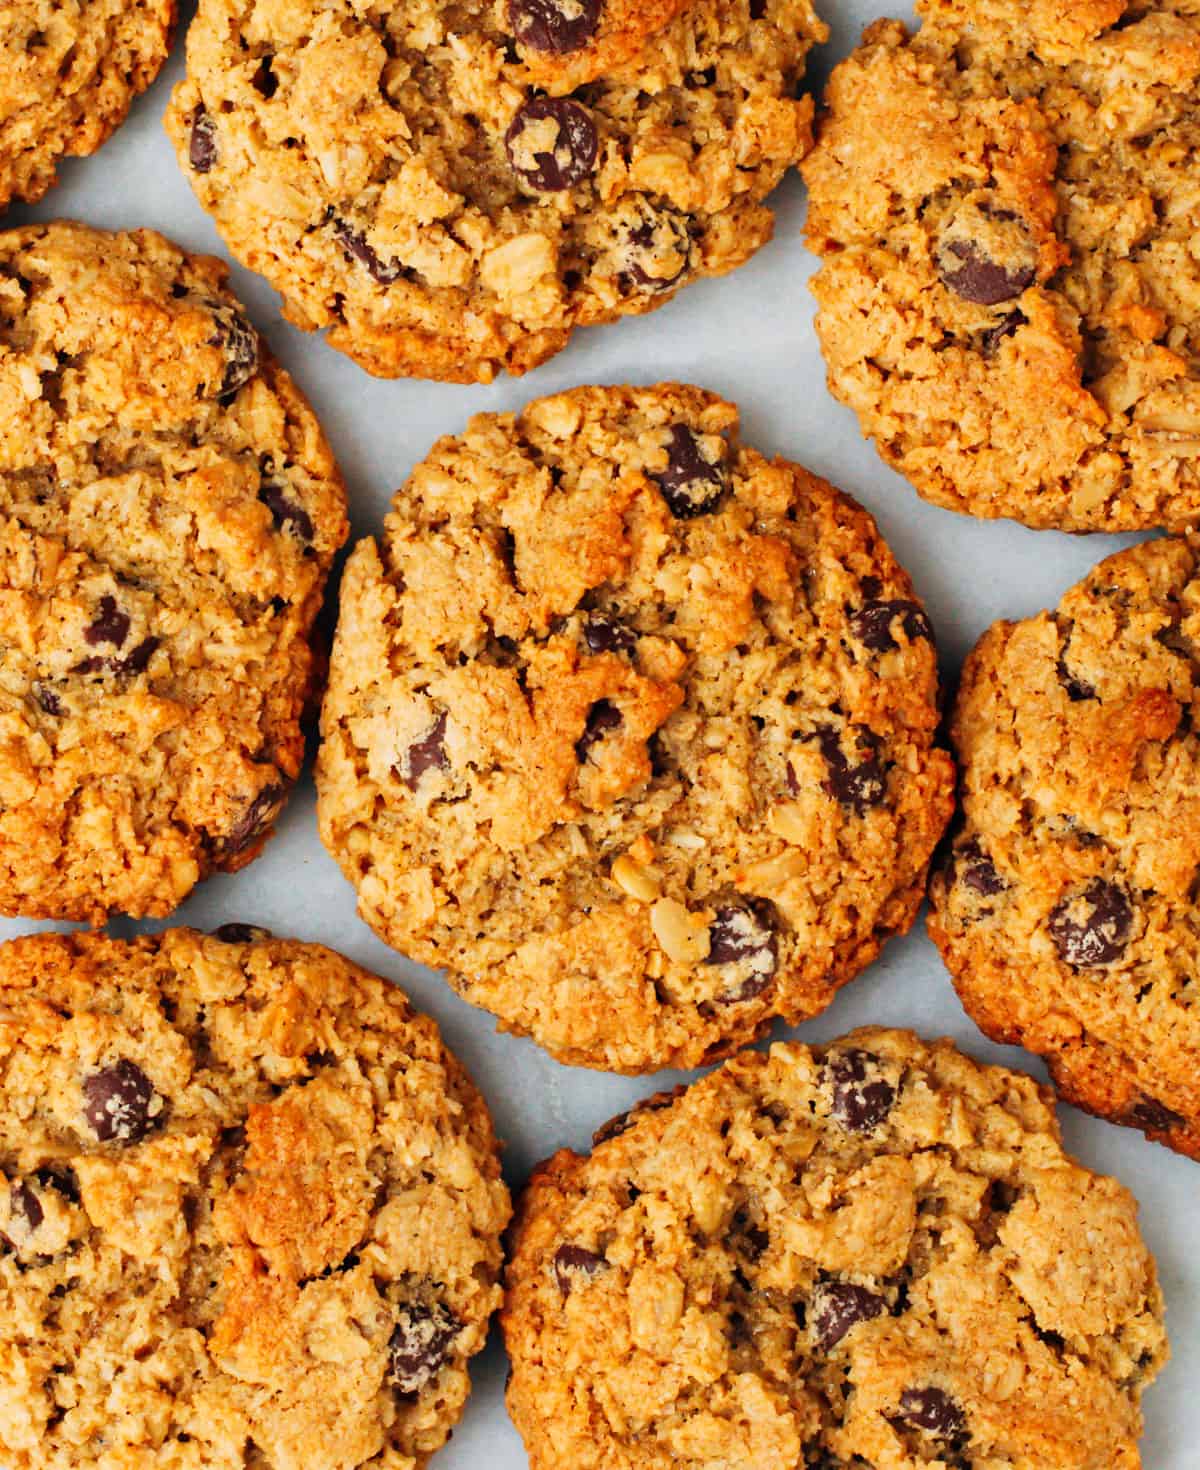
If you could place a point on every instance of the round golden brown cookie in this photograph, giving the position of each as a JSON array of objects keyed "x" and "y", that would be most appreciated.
[
  {"x": 1006, "y": 205},
  {"x": 168, "y": 513},
  {"x": 68, "y": 74},
  {"x": 452, "y": 186},
  {"x": 631, "y": 729},
  {"x": 250, "y": 1209},
  {"x": 872, "y": 1255},
  {"x": 1066, "y": 909}
]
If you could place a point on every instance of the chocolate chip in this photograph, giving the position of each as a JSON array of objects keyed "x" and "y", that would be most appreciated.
[
  {"x": 601, "y": 718},
  {"x": 47, "y": 699},
  {"x": 743, "y": 935},
  {"x": 624, "y": 1121},
  {"x": 554, "y": 26},
  {"x": 284, "y": 511},
  {"x": 117, "y": 1103},
  {"x": 25, "y": 1206},
  {"x": 137, "y": 661},
  {"x": 427, "y": 754},
  {"x": 572, "y": 156},
  {"x": 989, "y": 341},
  {"x": 977, "y": 871},
  {"x": 1077, "y": 690},
  {"x": 873, "y": 622},
  {"x": 659, "y": 232},
  {"x": 572, "y": 1262},
  {"x": 836, "y": 1307},
  {"x": 59, "y": 1177},
  {"x": 354, "y": 243},
  {"x": 862, "y": 1098},
  {"x": 233, "y": 333},
  {"x": 202, "y": 145},
  {"x": 420, "y": 1345},
  {"x": 979, "y": 279},
  {"x": 603, "y": 634},
  {"x": 691, "y": 484},
  {"x": 933, "y": 1411},
  {"x": 264, "y": 81},
  {"x": 1155, "y": 1117},
  {"x": 253, "y": 822},
  {"x": 860, "y": 785},
  {"x": 1092, "y": 927},
  {"x": 240, "y": 933},
  {"x": 110, "y": 625}
]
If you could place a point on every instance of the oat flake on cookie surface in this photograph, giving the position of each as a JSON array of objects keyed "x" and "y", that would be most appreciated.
[
  {"x": 450, "y": 187},
  {"x": 631, "y": 729}
]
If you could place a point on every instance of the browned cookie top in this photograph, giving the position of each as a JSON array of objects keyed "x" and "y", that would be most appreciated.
[
  {"x": 631, "y": 729},
  {"x": 1067, "y": 910},
  {"x": 451, "y": 186},
  {"x": 250, "y": 1210},
  {"x": 168, "y": 513},
  {"x": 874, "y": 1256}
]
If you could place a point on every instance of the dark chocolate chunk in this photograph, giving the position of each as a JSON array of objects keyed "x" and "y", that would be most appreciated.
[
  {"x": 1092, "y": 927},
  {"x": 47, "y": 699},
  {"x": 977, "y": 871},
  {"x": 691, "y": 484},
  {"x": 859, "y": 785},
  {"x": 660, "y": 231},
  {"x": 744, "y": 934},
  {"x": 1152, "y": 1116},
  {"x": 573, "y": 155},
  {"x": 554, "y": 26},
  {"x": 202, "y": 144},
  {"x": 239, "y": 341},
  {"x": 989, "y": 341},
  {"x": 254, "y": 821},
  {"x": 272, "y": 491},
  {"x": 624, "y": 1121},
  {"x": 420, "y": 1345},
  {"x": 862, "y": 1096},
  {"x": 428, "y": 753},
  {"x": 572, "y": 1262},
  {"x": 836, "y": 1307},
  {"x": 110, "y": 624},
  {"x": 264, "y": 81},
  {"x": 236, "y": 933},
  {"x": 873, "y": 622},
  {"x": 117, "y": 1103},
  {"x": 25, "y": 1206},
  {"x": 354, "y": 243},
  {"x": 603, "y": 634},
  {"x": 981, "y": 280},
  {"x": 137, "y": 661},
  {"x": 933, "y": 1411},
  {"x": 601, "y": 718}
]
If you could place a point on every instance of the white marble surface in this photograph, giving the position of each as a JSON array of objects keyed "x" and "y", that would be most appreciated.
[{"x": 750, "y": 337}]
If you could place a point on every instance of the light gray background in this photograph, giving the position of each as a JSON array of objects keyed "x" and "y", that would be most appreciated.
[{"x": 750, "y": 337}]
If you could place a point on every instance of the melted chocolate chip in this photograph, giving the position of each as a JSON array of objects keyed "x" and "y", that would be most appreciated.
[
  {"x": 428, "y": 753},
  {"x": 285, "y": 512},
  {"x": 572, "y": 155},
  {"x": 977, "y": 871},
  {"x": 933, "y": 1411},
  {"x": 117, "y": 1102},
  {"x": 354, "y": 243},
  {"x": 601, "y": 718},
  {"x": 859, "y": 786},
  {"x": 989, "y": 341},
  {"x": 572, "y": 1262},
  {"x": 690, "y": 484},
  {"x": 137, "y": 661},
  {"x": 1155, "y": 1117},
  {"x": 836, "y": 1307},
  {"x": 47, "y": 699},
  {"x": 660, "y": 232},
  {"x": 110, "y": 625},
  {"x": 603, "y": 634},
  {"x": 862, "y": 1098},
  {"x": 978, "y": 279},
  {"x": 743, "y": 935},
  {"x": 872, "y": 624},
  {"x": 420, "y": 1345},
  {"x": 1092, "y": 927},
  {"x": 254, "y": 821},
  {"x": 554, "y": 26},
  {"x": 234, "y": 334},
  {"x": 264, "y": 81},
  {"x": 240, "y": 933},
  {"x": 624, "y": 1121},
  {"x": 25, "y": 1206},
  {"x": 202, "y": 145}
]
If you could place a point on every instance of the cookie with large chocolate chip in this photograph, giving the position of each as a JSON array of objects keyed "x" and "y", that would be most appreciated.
[
  {"x": 250, "y": 1209},
  {"x": 170, "y": 510},
  {"x": 1066, "y": 907},
  {"x": 631, "y": 729},
  {"x": 873, "y": 1253},
  {"x": 451, "y": 187},
  {"x": 68, "y": 75},
  {"x": 1008, "y": 295}
]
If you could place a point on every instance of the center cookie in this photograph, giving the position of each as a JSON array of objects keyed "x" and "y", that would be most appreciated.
[
  {"x": 874, "y": 1255},
  {"x": 250, "y": 1210},
  {"x": 451, "y": 187},
  {"x": 631, "y": 729}
]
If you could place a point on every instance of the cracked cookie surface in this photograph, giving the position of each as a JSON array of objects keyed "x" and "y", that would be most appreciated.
[
  {"x": 250, "y": 1209},
  {"x": 169, "y": 510},
  {"x": 1066, "y": 909},
  {"x": 1006, "y": 203},
  {"x": 873, "y": 1254},
  {"x": 68, "y": 74},
  {"x": 630, "y": 729},
  {"x": 452, "y": 186}
]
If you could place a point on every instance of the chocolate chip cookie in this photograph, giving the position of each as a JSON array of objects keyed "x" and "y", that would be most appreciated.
[
  {"x": 874, "y": 1254},
  {"x": 631, "y": 729},
  {"x": 452, "y": 186},
  {"x": 250, "y": 1209},
  {"x": 168, "y": 513},
  {"x": 1066, "y": 909},
  {"x": 1006, "y": 206},
  {"x": 68, "y": 74}
]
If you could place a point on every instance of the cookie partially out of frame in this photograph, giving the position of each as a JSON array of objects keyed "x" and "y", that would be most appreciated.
[
  {"x": 169, "y": 510},
  {"x": 631, "y": 729},
  {"x": 874, "y": 1255},
  {"x": 1067, "y": 908},
  {"x": 1005, "y": 206},
  {"x": 250, "y": 1210},
  {"x": 451, "y": 187},
  {"x": 68, "y": 74}
]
